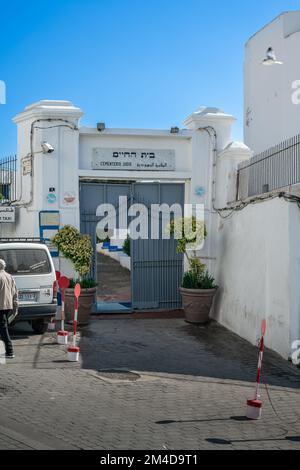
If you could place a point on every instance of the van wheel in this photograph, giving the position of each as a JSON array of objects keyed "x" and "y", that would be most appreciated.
[{"x": 39, "y": 326}]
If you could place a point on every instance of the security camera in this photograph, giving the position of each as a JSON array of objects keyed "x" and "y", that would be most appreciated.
[{"x": 47, "y": 148}]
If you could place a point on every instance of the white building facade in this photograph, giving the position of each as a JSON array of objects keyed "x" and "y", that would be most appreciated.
[
  {"x": 253, "y": 253},
  {"x": 258, "y": 247},
  {"x": 272, "y": 93},
  {"x": 51, "y": 182}
]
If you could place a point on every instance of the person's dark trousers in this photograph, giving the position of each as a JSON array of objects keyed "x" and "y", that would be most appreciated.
[{"x": 4, "y": 334}]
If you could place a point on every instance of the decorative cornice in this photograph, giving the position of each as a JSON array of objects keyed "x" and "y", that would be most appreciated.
[
  {"x": 49, "y": 109},
  {"x": 207, "y": 115}
]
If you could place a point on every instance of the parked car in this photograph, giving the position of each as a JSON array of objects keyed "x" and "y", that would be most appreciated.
[{"x": 32, "y": 267}]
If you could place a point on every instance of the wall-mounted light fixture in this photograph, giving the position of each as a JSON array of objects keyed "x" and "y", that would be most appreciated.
[
  {"x": 174, "y": 130},
  {"x": 270, "y": 58}
]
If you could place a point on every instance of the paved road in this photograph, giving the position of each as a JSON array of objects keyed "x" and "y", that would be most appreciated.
[
  {"x": 114, "y": 281},
  {"x": 144, "y": 384}
]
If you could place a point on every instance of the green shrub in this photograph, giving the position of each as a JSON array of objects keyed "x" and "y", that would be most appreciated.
[
  {"x": 85, "y": 283},
  {"x": 192, "y": 280},
  {"x": 126, "y": 246},
  {"x": 75, "y": 247},
  {"x": 190, "y": 233}
]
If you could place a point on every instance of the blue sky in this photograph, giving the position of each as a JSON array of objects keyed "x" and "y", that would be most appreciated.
[{"x": 129, "y": 63}]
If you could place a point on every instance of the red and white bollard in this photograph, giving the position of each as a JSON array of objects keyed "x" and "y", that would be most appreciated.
[
  {"x": 52, "y": 324},
  {"x": 73, "y": 351},
  {"x": 254, "y": 407},
  {"x": 62, "y": 335}
]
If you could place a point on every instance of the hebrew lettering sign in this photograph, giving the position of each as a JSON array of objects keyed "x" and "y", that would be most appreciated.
[{"x": 133, "y": 159}]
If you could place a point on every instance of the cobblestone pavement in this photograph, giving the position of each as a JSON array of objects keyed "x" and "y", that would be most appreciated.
[
  {"x": 114, "y": 281},
  {"x": 144, "y": 384}
]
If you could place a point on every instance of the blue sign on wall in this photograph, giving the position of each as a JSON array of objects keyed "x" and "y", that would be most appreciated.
[
  {"x": 200, "y": 191},
  {"x": 49, "y": 222},
  {"x": 51, "y": 198}
]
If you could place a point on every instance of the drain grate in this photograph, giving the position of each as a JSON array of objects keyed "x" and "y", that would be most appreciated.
[{"x": 115, "y": 374}]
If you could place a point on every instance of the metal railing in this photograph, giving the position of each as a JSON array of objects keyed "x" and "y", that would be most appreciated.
[
  {"x": 275, "y": 168},
  {"x": 8, "y": 179}
]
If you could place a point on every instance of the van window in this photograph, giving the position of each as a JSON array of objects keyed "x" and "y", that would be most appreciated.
[{"x": 23, "y": 262}]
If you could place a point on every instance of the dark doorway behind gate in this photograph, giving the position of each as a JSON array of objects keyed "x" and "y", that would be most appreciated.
[{"x": 156, "y": 267}]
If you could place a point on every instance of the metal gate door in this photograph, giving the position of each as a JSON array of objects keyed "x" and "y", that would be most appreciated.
[
  {"x": 91, "y": 196},
  {"x": 156, "y": 267}
]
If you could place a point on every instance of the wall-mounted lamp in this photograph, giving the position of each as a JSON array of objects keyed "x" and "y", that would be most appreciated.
[
  {"x": 270, "y": 58},
  {"x": 174, "y": 130}
]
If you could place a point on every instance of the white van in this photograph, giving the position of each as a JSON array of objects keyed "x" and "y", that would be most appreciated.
[{"x": 32, "y": 267}]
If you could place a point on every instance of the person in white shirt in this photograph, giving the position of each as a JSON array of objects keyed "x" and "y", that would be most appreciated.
[{"x": 8, "y": 302}]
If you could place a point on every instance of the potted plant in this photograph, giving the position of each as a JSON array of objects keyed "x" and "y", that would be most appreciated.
[
  {"x": 198, "y": 287},
  {"x": 86, "y": 299},
  {"x": 79, "y": 250}
]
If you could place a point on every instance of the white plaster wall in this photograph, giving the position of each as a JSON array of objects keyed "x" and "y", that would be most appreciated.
[
  {"x": 73, "y": 153},
  {"x": 72, "y": 158},
  {"x": 268, "y": 90},
  {"x": 57, "y": 170},
  {"x": 204, "y": 171},
  {"x": 258, "y": 269},
  {"x": 182, "y": 147},
  {"x": 26, "y": 225},
  {"x": 294, "y": 275}
]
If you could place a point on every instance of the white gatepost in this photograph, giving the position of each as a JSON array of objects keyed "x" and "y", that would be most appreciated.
[
  {"x": 211, "y": 133},
  {"x": 227, "y": 172},
  {"x": 47, "y": 181}
]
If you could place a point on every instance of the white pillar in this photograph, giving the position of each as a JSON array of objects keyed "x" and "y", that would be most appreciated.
[
  {"x": 55, "y": 122},
  {"x": 211, "y": 133},
  {"x": 227, "y": 167}
]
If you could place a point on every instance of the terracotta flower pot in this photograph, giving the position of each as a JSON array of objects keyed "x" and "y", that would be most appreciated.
[
  {"x": 197, "y": 304},
  {"x": 85, "y": 305}
]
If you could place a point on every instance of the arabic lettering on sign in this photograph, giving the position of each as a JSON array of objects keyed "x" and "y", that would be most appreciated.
[{"x": 126, "y": 159}]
